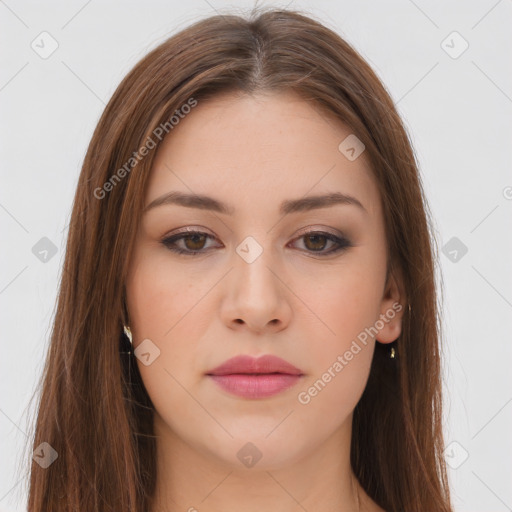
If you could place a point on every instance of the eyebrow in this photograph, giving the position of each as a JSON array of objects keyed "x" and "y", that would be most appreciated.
[{"x": 289, "y": 206}]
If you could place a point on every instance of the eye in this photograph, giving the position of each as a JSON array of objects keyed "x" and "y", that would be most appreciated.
[
  {"x": 194, "y": 242},
  {"x": 314, "y": 241}
]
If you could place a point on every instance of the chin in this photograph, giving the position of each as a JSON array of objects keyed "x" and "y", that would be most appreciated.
[{"x": 257, "y": 450}]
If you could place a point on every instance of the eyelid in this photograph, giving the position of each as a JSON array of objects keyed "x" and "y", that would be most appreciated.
[
  {"x": 303, "y": 231},
  {"x": 306, "y": 230},
  {"x": 189, "y": 229}
]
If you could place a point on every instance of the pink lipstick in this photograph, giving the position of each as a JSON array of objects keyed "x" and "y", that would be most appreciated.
[{"x": 253, "y": 378}]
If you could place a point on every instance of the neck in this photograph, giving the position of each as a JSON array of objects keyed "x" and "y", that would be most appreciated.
[{"x": 196, "y": 479}]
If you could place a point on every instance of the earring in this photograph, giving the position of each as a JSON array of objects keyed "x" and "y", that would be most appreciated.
[
  {"x": 392, "y": 350},
  {"x": 128, "y": 333}
]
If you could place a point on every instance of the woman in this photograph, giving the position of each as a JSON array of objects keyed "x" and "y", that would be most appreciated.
[{"x": 247, "y": 318}]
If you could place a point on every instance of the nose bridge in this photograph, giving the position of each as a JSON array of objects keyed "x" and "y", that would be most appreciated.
[
  {"x": 252, "y": 266},
  {"x": 255, "y": 294}
]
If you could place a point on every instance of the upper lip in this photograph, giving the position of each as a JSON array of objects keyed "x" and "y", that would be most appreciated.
[{"x": 249, "y": 364}]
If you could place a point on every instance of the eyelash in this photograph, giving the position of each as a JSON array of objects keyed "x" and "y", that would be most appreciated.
[{"x": 170, "y": 242}]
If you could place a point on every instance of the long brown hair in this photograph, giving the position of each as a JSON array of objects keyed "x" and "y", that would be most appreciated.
[{"x": 93, "y": 408}]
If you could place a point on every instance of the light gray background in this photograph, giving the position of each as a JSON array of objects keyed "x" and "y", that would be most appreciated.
[{"x": 457, "y": 111}]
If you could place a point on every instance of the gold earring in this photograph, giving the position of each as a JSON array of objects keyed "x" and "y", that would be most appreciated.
[
  {"x": 128, "y": 333},
  {"x": 392, "y": 351}
]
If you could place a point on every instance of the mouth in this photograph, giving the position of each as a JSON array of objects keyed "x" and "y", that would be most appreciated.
[
  {"x": 262, "y": 385},
  {"x": 253, "y": 378}
]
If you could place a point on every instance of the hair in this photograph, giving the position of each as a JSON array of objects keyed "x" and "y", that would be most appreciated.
[{"x": 93, "y": 408}]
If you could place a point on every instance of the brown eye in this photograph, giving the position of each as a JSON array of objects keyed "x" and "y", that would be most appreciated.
[
  {"x": 193, "y": 242},
  {"x": 317, "y": 242},
  {"x": 197, "y": 241}
]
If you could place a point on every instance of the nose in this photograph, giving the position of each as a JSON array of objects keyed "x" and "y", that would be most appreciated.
[{"x": 256, "y": 297}]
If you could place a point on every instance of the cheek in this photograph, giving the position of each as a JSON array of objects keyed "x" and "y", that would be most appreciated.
[
  {"x": 346, "y": 301},
  {"x": 167, "y": 306},
  {"x": 161, "y": 301},
  {"x": 338, "y": 372},
  {"x": 340, "y": 346},
  {"x": 160, "y": 297}
]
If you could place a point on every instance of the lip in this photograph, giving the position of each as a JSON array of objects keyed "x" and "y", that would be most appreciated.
[{"x": 250, "y": 377}]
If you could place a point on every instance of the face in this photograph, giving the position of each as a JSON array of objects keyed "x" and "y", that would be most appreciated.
[{"x": 268, "y": 272}]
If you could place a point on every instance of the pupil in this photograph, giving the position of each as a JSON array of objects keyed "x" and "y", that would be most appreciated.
[
  {"x": 315, "y": 238},
  {"x": 194, "y": 241}
]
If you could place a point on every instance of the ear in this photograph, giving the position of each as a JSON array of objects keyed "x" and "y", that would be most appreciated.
[{"x": 392, "y": 308}]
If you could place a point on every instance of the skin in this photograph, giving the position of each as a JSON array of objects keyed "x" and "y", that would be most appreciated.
[{"x": 253, "y": 152}]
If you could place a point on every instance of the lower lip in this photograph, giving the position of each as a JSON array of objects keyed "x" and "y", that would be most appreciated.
[{"x": 255, "y": 386}]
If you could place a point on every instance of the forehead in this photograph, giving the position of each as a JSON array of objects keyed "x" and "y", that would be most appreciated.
[{"x": 258, "y": 150}]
